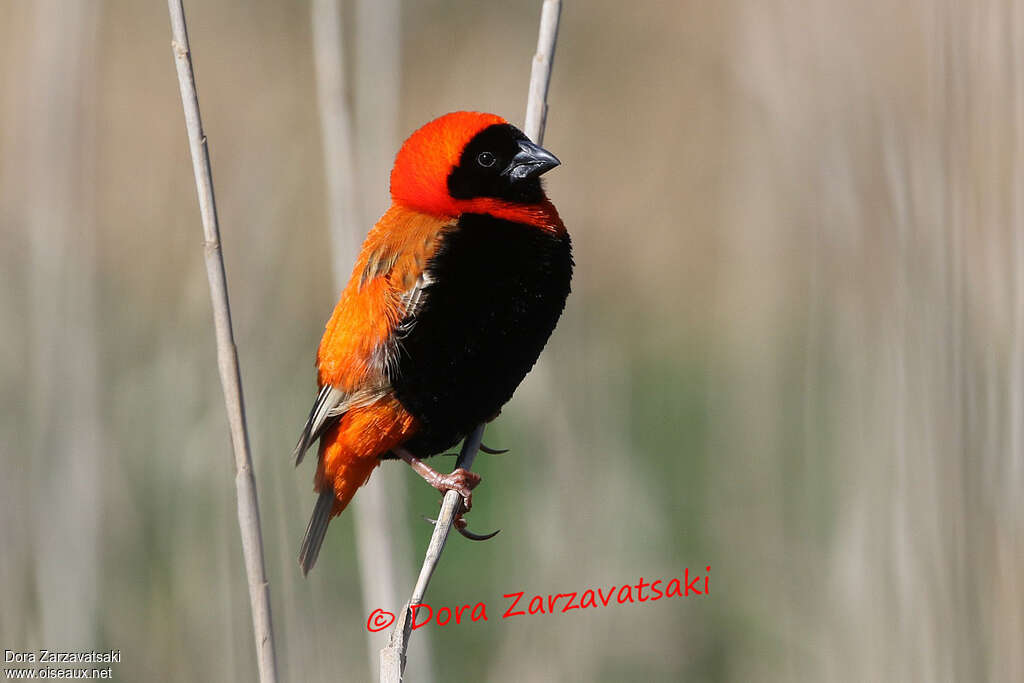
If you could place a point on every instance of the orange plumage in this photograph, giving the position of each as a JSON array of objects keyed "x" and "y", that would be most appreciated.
[
  {"x": 392, "y": 258},
  {"x": 369, "y": 404}
]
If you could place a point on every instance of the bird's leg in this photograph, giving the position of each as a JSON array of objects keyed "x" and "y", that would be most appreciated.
[{"x": 460, "y": 480}]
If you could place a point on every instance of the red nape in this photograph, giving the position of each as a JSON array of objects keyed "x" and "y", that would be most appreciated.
[{"x": 419, "y": 179}]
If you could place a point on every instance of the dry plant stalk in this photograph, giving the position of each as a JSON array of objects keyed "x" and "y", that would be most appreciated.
[
  {"x": 392, "y": 657},
  {"x": 227, "y": 354},
  {"x": 540, "y": 72},
  {"x": 383, "y": 550},
  {"x": 336, "y": 131}
]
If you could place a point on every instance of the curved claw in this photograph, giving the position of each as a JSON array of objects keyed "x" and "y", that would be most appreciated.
[
  {"x": 492, "y": 451},
  {"x": 476, "y": 537},
  {"x": 460, "y": 526}
]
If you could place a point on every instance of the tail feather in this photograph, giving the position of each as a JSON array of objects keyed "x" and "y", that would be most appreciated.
[
  {"x": 316, "y": 530},
  {"x": 339, "y": 475}
]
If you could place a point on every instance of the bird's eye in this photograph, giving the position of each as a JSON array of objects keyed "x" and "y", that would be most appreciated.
[{"x": 485, "y": 159}]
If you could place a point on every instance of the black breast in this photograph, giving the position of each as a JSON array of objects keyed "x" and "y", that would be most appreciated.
[{"x": 497, "y": 289}]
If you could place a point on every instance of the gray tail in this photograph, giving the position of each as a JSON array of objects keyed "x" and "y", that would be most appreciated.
[{"x": 317, "y": 530}]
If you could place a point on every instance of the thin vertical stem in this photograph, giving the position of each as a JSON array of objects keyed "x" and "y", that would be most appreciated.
[
  {"x": 227, "y": 354},
  {"x": 336, "y": 133},
  {"x": 58, "y": 128},
  {"x": 392, "y": 657},
  {"x": 540, "y": 72},
  {"x": 383, "y": 548}
]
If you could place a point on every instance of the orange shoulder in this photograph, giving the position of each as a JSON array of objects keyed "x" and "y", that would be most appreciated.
[{"x": 353, "y": 351}]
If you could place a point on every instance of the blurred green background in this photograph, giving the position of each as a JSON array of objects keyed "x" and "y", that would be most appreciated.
[{"x": 794, "y": 351}]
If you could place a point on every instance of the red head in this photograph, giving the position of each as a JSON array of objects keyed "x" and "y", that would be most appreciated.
[{"x": 470, "y": 162}]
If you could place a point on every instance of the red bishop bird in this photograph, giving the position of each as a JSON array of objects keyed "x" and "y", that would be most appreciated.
[{"x": 455, "y": 292}]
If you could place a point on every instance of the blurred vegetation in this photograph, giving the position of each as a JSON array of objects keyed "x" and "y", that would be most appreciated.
[{"x": 794, "y": 351}]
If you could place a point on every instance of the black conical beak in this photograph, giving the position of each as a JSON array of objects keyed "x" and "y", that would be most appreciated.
[{"x": 530, "y": 162}]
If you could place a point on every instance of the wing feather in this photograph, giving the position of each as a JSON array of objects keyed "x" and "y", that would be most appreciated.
[
  {"x": 327, "y": 401},
  {"x": 359, "y": 348}
]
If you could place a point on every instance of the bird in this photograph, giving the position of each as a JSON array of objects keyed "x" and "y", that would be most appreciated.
[{"x": 452, "y": 298}]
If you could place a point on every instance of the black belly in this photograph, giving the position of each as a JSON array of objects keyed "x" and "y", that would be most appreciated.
[{"x": 497, "y": 291}]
